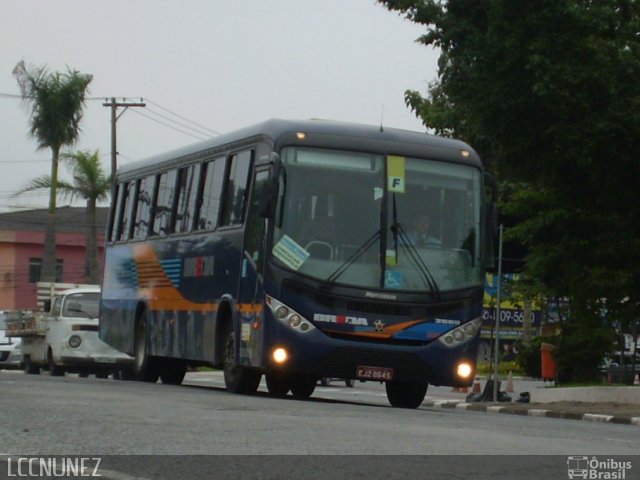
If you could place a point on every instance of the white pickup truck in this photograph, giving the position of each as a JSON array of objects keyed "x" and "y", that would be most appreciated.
[{"x": 64, "y": 337}]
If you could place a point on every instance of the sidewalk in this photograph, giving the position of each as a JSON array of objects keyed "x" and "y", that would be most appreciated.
[{"x": 596, "y": 404}]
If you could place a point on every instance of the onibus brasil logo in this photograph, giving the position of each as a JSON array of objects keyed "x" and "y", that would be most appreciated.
[{"x": 595, "y": 468}]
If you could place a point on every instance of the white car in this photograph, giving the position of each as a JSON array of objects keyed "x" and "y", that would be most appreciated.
[{"x": 10, "y": 353}]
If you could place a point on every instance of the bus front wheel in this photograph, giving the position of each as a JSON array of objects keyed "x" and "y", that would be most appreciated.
[
  {"x": 406, "y": 394},
  {"x": 237, "y": 379},
  {"x": 302, "y": 386},
  {"x": 278, "y": 383}
]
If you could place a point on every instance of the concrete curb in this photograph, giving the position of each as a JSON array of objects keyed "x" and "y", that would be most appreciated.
[{"x": 534, "y": 412}]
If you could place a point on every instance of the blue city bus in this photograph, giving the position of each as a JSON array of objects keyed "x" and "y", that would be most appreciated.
[{"x": 287, "y": 249}]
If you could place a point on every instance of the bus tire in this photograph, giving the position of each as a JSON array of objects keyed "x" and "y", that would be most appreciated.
[
  {"x": 278, "y": 384},
  {"x": 406, "y": 394},
  {"x": 302, "y": 386},
  {"x": 54, "y": 370},
  {"x": 173, "y": 371},
  {"x": 29, "y": 367},
  {"x": 145, "y": 366},
  {"x": 237, "y": 379}
]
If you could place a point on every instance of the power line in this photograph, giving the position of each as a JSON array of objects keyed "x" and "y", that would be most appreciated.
[
  {"x": 206, "y": 134},
  {"x": 167, "y": 125},
  {"x": 181, "y": 117}
]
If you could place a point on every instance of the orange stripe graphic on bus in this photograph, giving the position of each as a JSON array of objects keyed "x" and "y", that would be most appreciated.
[{"x": 157, "y": 289}]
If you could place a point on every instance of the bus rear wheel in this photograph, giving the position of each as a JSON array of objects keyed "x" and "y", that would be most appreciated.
[
  {"x": 237, "y": 379},
  {"x": 145, "y": 366},
  {"x": 406, "y": 394},
  {"x": 302, "y": 386}
]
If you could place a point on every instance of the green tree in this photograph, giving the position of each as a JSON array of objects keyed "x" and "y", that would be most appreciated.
[
  {"x": 546, "y": 92},
  {"x": 91, "y": 184},
  {"x": 56, "y": 103}
]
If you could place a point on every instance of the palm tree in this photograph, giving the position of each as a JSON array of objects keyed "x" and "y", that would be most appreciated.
[
  {"x": 89, "y": 183},
  {"x": 56, "y": 102}
]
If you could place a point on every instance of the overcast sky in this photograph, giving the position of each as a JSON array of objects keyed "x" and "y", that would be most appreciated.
[{"x": 222, "y": 64}]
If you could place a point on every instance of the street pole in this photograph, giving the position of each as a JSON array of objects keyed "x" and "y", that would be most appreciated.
[
  {"x": 497, "y": 325},
  {"x": 113, "y": 104}
]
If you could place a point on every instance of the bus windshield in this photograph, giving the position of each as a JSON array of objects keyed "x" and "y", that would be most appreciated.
[{"x": 374, "y": 221}]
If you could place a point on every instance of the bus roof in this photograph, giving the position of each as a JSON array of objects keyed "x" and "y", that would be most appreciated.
[{"x": 319, "y": 133}]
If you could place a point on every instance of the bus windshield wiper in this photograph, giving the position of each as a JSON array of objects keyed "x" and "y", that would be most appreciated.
[
  {"x": 399, "y": 232},
  {"x": 357, "y": 254},
  {"x": 412, "y": 253}
]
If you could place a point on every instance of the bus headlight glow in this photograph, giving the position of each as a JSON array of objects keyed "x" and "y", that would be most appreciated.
[
  {"x": 280, "y": 355},
  {"x": 288, "y": 316},
  {"x": 464, "y": 370},
  {"x": 461, "y": 334}
]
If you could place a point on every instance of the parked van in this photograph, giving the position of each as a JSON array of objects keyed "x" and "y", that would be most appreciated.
[{"x": 64, "y": 337}]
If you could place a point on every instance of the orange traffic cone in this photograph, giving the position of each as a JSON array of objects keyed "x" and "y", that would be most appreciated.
[
  {"x": 476, "y": 386},
  {"x": 509, "y": 388}
]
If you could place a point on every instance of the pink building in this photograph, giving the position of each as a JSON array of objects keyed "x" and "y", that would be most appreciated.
[{"x": 21, "y": 248}]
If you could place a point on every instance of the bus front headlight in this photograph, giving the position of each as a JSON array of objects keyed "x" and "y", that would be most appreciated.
[
  {"x": 461, "y": 334},
  {"x": 288, "y": 316},
  {"x": 74, "y": 341}
]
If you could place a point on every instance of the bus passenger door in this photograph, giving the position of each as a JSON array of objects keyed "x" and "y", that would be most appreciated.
[{"x": 251, "y": 298}]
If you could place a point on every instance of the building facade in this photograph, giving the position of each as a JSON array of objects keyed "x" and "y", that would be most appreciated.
[{"x": 22, "y": 246}]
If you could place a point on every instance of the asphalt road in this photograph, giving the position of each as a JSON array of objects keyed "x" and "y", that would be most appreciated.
[{"x": 70, "y": 416}]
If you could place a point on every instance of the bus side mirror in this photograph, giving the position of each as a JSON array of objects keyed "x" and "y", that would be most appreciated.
[
  {"x": 46, "y": 305},
  {"x": 269, "y": 194}
]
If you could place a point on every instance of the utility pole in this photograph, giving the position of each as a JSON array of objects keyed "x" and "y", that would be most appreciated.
[
  {"x": 497, "y": 325},
  {"x": 114, "y": 118}
]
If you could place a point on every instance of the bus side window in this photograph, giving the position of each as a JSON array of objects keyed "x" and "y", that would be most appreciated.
[
  {"x": 213, "y": 181},
  {"x": 116, "y": 213},
  {"x": 143, "y": 210},
  {"x": 126, "y": 210},
  {"x": 236, "y": 193},
  {"x": 187, "y": 190},
  {"x": 164, "y": 203}
]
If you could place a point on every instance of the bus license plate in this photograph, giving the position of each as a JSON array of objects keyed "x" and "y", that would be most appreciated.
[{"x": 374, "y": 373}]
